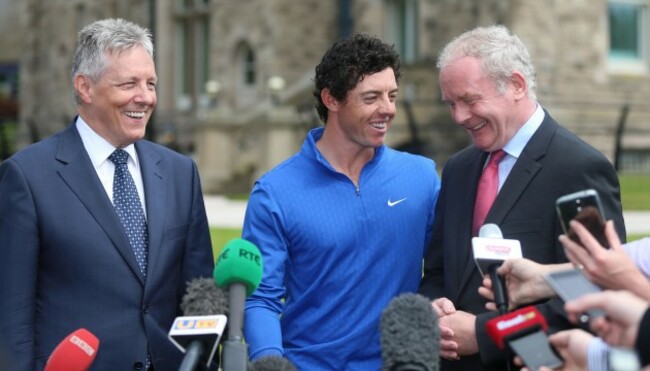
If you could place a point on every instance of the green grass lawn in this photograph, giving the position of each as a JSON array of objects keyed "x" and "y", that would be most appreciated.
[
  {"x": 635, "y": 191},
  {"x": 220, "y": 236}
]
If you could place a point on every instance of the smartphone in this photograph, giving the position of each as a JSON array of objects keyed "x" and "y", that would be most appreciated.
[
  {"x": 571, "y": 284},
  {"x": 586, "y": 208}
]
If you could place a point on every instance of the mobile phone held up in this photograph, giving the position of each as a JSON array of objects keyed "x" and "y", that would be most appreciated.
[{"x": 586, "y": 208}]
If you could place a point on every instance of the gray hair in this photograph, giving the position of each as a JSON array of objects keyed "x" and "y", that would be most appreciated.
[
  {"x": 103, "y": 37},
  {"x": 500, "y": 51}
]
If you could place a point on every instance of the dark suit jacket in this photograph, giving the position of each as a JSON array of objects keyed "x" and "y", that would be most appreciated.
[
  {"x": 555, "y": 162},
  {"x": 67, "y": 263}
]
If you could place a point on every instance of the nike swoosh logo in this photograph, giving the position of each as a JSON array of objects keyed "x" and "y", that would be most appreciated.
[{"x": 393, "y": 203}]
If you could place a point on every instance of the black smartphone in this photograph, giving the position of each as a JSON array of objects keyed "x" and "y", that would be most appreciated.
[
  {"x": 571, "y": 284},
  {"x": 586, "y": 208}
]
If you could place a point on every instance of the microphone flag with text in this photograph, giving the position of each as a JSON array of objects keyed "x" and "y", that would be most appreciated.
[
  {"x": 410, "y": 338},
  {"x": 198, "y": 331},
  {"x": 74, "y": 353},
  {"x": 490, "y": 249},
  {"x": 524, "y": 332},
  {"x": 239, "y": 267}
]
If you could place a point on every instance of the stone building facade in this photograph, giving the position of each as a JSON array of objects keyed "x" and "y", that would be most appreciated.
[{"x": 236, "y": 75}]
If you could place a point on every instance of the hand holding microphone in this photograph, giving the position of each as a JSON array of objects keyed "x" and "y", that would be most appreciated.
[
  {"x": 74, "y": 353},
  {"x": 525, "y": 282},
  {"x": 490, "y": 250}
]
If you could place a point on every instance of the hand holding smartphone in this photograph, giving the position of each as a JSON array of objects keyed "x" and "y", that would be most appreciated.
[{"x": 586, "y": 208}]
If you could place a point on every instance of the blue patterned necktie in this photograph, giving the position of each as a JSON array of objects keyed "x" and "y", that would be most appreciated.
[{"x": 129, "y": 209}]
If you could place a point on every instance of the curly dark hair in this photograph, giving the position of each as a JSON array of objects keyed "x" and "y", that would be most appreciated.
[{"x": 347, "y": 62}]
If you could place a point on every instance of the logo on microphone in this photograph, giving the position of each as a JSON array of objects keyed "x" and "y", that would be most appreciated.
[
  {"x": 79, "y": 342},
  {"x": 518, "y": 320},
  {"x": 499, "y": 249}
]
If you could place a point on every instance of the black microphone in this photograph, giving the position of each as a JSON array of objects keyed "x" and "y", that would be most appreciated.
[
  {"x": 239, "y": 268},
  {"x": 410, "y": 338},
  {"x": 271, "y": 363},
  {"x": 490, "y": 250},
  {"x": 197, "y": 333}
]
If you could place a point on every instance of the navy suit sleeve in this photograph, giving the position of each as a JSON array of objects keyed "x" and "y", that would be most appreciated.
[
  {"x": 19, "y": 247},
  {"x": 198, "y": 260}
]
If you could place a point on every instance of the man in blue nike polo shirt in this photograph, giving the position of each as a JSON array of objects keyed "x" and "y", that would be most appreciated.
[{"x": 343, "y": 224}]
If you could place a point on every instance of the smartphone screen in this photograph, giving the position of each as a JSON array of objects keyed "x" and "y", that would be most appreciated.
[
  {"x": 571, "y": 284},
  {"x": 584, "y": 207}
]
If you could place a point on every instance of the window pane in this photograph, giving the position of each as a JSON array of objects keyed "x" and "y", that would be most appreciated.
[{"x": 624, "y": 23}]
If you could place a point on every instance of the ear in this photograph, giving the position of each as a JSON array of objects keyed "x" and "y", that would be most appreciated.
[
  {"x": 519, "y": 86},
  {"x": 329, "y": 101},
  {"x": 84, "y": 88}
]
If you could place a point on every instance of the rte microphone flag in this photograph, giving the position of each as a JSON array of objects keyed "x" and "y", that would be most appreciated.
[
  {"x": 524, "y": 332},
  {"x": 74, "y": 353},
  {"x": 239, "y": 267}
]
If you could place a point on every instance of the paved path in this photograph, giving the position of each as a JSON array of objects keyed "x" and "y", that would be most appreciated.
[{"x": 226, "y": 213}]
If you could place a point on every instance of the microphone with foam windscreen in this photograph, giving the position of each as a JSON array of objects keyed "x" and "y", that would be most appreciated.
[
  {"x": 74, "y": 353},
  {"x": 524, "y": 332},
  {"x": 239, "y": 267},
  {"x": 490, "y": 250},
  {"x": 197, "y": 333},
  {"x": 410, "y": 338},
  {"x": 271, "y": 363}
]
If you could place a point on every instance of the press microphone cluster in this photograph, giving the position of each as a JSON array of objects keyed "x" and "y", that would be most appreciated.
[
  {"x": 198, "y": 332},
  {"x": 410, "y": 338},
  {"x": 524, "y": 332},
  {"x": 74, "y": 353},
  {"x": 239, "y": 268},
  {"x": 490, "y": 251}
]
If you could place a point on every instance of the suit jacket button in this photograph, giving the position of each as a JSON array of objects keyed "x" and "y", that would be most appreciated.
[
  {"x": 145, "y": 309},
  {"x": 138, "y": 366}
]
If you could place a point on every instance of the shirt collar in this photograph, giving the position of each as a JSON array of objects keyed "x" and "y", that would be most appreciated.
[
  {"x": 516, "y": 145},
  {"x": 98, "y": 148}
]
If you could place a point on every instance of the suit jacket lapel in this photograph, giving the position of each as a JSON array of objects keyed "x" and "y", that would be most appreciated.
[
  {"x": 79, "y": 174},
  {"x": 153, "y": 178},
  {"x": 523, "y": 172}
]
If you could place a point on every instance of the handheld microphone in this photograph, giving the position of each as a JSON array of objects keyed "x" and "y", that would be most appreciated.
[
  {"x": 197, "y": 333},
  {"x": 272, "y": 363},
  {"x": 523, "y": 331},
  {"x": 410, "y": 338},
  {"x": 490, "y": 250},
  {"x": 74, "y": 353},
  {"x": 239, "y": 267}
]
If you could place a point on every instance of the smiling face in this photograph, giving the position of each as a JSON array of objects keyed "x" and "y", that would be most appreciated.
[
  {"x": 367, "y": 111},
  {"x": 119, "y": 105},
  {"x": 490, "y": 117}
]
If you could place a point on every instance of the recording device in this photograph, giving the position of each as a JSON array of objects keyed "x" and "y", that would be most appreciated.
[
  {"x": 409, "y": 334},
  {"x": 524, "y": 332},
  {"x": 571, "y": 284},
  {"x": 74, "y": 353},
  {"x": 271, "y": 363},
  {"x": 586, "y": 208},
  {"x": 490, "y": 250},
  {"x": 239, "y": 267},
  {"x": 198, "y": 332}
]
